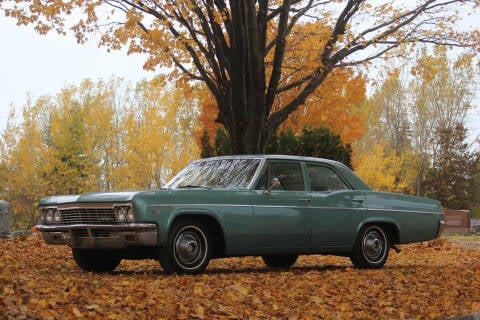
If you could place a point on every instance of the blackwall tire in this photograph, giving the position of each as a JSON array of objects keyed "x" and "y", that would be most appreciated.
[
  {"x": 92, "y": 260},
  {"x": 188, "y": 248},
  {"x": 371, "y": 248},
  {"x": 280, "y": 261}
]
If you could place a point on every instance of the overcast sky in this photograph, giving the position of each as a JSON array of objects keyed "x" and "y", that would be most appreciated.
[
  {"x": 35, "y": 65},
  {"x": 42, "y": 65}
]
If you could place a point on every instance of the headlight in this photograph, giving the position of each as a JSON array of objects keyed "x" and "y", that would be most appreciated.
[
  {"x": 49, "y": 216},
  {"x": 121, "y": 214},
  {"x": 42, "y": 215},
  {"x": 57, "y": 216},
  {"x": 130, "y": 215},
  {"x": 124, "y": 213}
]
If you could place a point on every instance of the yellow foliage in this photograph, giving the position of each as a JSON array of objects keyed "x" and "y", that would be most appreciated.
[
  {"x": 379, "y": 170},
  {"x": 96, "y": 136}
]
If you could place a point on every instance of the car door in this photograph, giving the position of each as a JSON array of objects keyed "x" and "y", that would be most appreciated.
[
  {"x": 338, "y": 209},
  {"x": 282, "y": 217}
]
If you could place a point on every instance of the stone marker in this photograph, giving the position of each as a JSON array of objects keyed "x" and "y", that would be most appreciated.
[
  {"x": 457, "y": 221},
  {"x": 4, "y": 215}
]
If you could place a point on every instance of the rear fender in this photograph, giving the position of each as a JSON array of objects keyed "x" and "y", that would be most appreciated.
[{"x": 393, "y": 228}]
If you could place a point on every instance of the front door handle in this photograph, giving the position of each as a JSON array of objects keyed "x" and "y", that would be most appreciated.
[
  {"x": 308, "y": 201},
  {"x": 358, "y": 200}
]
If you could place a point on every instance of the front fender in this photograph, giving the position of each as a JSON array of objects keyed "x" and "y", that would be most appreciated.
[{"x": 167, "y": 222}]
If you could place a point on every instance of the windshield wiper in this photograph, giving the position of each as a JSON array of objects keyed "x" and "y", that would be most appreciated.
[{"x": 193, "y": 186}]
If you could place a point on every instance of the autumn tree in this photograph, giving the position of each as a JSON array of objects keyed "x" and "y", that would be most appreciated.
[
  {"x": 158, "y": 126},
  {"x": 22, "y": 161},
  {"x": 382, "y": 154},
  {"x": 442, "y": 93},
  {"x": 381, "y": 169},
  {"x": 239, "y": 48},
  {"x": 393, "y": 122},
  {"x": 71, "y": 168},
  {"x": 100, "y": 135},
  {"x": 434, "y": 94},
  {"x": 451, "y": 179}
]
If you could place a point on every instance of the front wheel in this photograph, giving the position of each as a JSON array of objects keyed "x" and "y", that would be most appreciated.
[
  {"x": 188, "y": 248},
  {"x": 280, "y": 261},
  {"x": 371, "y": 248},
  {"x": 92, "y": 260}
]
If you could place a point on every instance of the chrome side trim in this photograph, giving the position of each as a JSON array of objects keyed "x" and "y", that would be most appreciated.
[
  {"x": 203, "y": 205},
  {"x": 280, "y": 206},
  {"x": 405, "y": 211}
]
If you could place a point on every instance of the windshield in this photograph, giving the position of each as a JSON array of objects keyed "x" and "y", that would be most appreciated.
[{"x": 216, "y": 174}]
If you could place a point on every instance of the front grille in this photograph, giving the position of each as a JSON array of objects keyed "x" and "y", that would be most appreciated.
[{"x": 88, "y": 215}]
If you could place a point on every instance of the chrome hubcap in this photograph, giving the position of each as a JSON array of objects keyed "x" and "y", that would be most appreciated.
[
  {"x": 187, "y": 247},
  {"x": 190, "y": 247},
  {"x": 374, "y": 245}
]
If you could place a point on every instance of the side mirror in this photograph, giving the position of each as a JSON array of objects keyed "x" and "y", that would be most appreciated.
[{"x": 275, "y": 183}]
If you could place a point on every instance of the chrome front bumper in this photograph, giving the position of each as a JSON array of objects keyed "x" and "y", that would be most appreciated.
[{"x": 101, "y": 236}]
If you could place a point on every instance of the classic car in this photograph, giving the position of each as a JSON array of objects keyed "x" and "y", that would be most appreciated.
[{"x": 273, "y": 206}]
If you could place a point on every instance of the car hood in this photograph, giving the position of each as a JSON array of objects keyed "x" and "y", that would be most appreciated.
[{"x": 118, "y": 196}]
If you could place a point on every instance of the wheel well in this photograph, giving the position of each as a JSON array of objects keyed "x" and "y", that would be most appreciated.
[
  {"x": 214, "y": 230},
  {"x": 391, "y": 230}
]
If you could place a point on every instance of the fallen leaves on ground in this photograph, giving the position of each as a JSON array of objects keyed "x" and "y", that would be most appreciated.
[{"x": 430, "y": 280}]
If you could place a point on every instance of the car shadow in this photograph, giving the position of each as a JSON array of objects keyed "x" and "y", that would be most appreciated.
[
  {"x": 301, "y": 269},
  {"x": 245, "y": 270}
]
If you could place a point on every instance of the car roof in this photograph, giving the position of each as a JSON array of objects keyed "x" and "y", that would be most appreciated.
[
  {"x": 272, "y": 156},
  {"x": 356, "y": 182}
]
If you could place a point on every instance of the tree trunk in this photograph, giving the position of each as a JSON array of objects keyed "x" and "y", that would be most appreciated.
[{"x": 246, "y": 115}]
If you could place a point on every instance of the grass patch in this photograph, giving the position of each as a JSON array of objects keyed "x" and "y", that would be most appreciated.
[
  {"x": 471, "y": 241},
  {"x": 461, "y": 237}
]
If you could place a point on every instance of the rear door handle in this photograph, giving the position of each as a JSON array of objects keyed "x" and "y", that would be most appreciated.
[{"x": 358, "y": 200}]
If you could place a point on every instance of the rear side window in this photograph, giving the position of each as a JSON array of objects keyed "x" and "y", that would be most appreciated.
[
  {"x": 324, "y": 179},
  {"x": 289, "y": 174}
]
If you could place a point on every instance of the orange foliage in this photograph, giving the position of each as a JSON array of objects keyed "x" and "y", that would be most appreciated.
[
  {"x": 208, "y": 116},
  {"x": 427, "y": 281},
  {"x": 335, "y": 104}
]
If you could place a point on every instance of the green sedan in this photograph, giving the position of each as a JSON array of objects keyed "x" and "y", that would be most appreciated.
[{"x": 273, "y": 206}]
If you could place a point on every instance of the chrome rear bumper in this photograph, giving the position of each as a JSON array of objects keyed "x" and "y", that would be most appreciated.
[{"x": 441, "y": 227}]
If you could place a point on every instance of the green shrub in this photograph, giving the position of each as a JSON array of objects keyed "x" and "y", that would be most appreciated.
[{"x": 475, "y": 211}]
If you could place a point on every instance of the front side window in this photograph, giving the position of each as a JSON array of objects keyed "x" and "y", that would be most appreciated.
[
  {"x": 216, "y": 174},
  {"x": 324, "y": 179},
  {"x": 289, "y": 174}
]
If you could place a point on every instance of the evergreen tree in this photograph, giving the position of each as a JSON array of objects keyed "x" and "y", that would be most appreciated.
[
  {"x": 312, "y": 142},
  {"x": 207, "y": 149},
  {"x": 222, "y": 143},
  {"x": 452, "y": 179}
]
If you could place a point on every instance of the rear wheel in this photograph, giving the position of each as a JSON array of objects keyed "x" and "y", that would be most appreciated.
[
  {"x": 371, "y": 248},
  {"x": 188, "y": 248},
  {"x": 280, "y": 261},
  {"x": 92, "y": 260}
]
